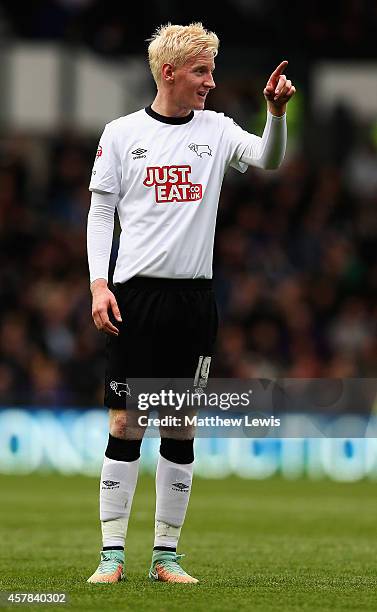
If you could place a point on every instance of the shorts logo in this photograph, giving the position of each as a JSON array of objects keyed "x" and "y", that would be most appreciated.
[
  {"x": 172, "y": 184},
  {"x": 119, "y": 387},
  {"x": 202, "y": 372},
  {"x": 99, "y": 152},
  {"x": 200, "y": 149}
]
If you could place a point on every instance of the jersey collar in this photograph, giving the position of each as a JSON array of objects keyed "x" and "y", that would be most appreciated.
[{"x": 170, "y": 120}]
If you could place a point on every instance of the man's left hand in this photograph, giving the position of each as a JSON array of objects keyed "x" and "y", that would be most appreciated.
[{"x": 278, "y": 91}]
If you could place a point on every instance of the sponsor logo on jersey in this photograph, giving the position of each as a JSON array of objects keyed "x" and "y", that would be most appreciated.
[
  {"x": 139, "y": 153},
  {"x": 200, "y": 150},
  {"x": 119, "y": 387},
  {"x": 99, "y": 152},
  {"x": 172, "y": 184}
]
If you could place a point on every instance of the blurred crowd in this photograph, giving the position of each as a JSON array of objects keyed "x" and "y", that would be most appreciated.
[
  {"x": 295, "y": 265},
  {"x": 340, "y": 28}
]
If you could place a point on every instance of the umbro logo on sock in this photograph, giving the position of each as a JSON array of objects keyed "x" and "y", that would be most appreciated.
[
  {"x": 179, "y": 486},
  {"x": 111, "y": 484}
]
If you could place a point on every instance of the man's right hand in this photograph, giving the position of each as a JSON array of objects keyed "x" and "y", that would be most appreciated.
[{"x": 103, "y": 300}]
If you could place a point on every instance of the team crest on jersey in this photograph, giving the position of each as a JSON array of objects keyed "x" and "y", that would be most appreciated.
[
  {"x": 99, "y": 152},
  {"x": 172, "y": 184},
  {"x": 200, "y": 150}
]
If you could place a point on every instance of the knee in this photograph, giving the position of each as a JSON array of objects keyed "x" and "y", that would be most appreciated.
[
  {"x": 118, "y": 424},
  {"x": 178, "y": 433}
]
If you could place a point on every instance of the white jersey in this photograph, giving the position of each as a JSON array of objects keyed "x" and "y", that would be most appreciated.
[{"x": 167, "y": 173}]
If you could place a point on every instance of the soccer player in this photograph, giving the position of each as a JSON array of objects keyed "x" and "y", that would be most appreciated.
[{"x": 162, "y": 168}]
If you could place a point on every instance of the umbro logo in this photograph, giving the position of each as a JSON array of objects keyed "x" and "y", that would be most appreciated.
[
  {"x": 139, "y": 153},
  {"x": 111, "y": 484},
  {"x": 180, "y": 486}
]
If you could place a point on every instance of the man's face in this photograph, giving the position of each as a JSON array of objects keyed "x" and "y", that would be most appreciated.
[{"x": 192, "y": 82}]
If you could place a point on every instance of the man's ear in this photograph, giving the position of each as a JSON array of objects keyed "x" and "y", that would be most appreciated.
[{"x": 168, "y": 72}]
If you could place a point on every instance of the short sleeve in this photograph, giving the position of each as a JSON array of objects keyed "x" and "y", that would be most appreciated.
[
  {"x": 237, "y": 140},
  {"x": 106, "y": 173}
]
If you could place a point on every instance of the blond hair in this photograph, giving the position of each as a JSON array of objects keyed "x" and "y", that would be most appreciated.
[{"x": 175, "y": 44}]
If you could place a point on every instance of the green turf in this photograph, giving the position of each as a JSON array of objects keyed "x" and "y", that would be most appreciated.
[{"x": 258, "y": 546}]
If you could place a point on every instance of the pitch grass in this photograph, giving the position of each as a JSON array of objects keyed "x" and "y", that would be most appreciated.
[{"x": 258, "y": 546}]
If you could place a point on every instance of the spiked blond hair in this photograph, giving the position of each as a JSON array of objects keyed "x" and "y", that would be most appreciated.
[{"x": 175, "y": 44}]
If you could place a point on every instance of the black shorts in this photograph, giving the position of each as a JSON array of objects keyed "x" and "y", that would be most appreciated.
[{"x": 168, "y": 330}]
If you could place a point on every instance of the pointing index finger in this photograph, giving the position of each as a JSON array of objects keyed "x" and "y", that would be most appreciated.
[{"x": 278, "y": 71}]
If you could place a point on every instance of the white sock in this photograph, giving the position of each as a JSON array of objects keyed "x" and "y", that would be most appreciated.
[
  {"x": 173, "y": 488},
  {"x": 117, "y": 488}
]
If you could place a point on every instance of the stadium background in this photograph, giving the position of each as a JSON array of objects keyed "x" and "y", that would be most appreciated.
[
  {"x": 295, "y": 265},
  {"x": 268, "y": 526}
]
